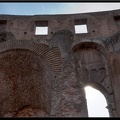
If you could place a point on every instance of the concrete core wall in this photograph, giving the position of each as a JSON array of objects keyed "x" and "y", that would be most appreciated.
[{"x": 45, "y": 75}]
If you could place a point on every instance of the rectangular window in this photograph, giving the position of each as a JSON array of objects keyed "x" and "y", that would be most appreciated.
[
  {"x": 80, "y": 26},
  {"x": 41, "y": 28},
  {"x": 80, "y": 29}
]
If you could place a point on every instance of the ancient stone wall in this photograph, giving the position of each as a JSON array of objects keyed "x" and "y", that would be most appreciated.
[{"x": 45, "y": 75}]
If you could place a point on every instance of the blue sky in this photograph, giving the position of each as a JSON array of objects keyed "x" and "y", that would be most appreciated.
[
  {"x": 46, "y": 8},
  {"x": 32, "y": 8},
  {"x": 39, "y": 8}
]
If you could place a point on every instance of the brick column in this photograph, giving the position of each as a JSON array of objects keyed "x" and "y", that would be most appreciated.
[{"x": 68, "y": 93}]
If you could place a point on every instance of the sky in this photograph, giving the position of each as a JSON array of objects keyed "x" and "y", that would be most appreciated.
[
  {"x": 95, "y": 109},
  {"x": 96, "y": 103},
  {"x": 40, "y": 8}
]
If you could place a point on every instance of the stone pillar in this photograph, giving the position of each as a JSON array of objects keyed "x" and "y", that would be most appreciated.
[{"x": 69, "y": 97}]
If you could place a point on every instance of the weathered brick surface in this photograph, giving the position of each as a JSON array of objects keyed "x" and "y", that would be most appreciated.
[{"x": 45, "y": 75}]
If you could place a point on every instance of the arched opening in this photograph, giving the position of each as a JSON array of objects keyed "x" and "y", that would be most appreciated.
[
  {"x": 96, "y": 103},
  {"x": 25, "y": 84}
]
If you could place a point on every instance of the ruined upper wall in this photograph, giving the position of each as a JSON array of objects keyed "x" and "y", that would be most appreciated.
[{"x": 99, "y": 24}]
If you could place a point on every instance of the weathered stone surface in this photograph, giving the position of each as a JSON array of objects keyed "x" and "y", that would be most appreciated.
[
  {"x": 45, "y": 75},
  {"x": 23, "y": 78}
]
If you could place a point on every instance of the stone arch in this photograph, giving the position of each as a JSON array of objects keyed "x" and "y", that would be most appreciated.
[
  {"x": 50, "y": 62},
  {"x": 89, "y": 44},
  {"x": 105, "y": 93},
  {"x": 52, "y": 56},
  {"x": 92, "y": 65},
  {"x": 26, "y": 79},
  {"x": 92, "y": 60}
]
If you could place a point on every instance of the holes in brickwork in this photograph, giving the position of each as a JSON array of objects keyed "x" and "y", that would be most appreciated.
[
  {"x": 3, "y": 22},
  {"x": 117, "y": 21},
  {"x": 2, "y": 25},
  {"x": 117, "y": 18},
  {"x": 41, "y": 28},
  {"x": 25, "y": 32},
  {"x": 80, "y": 26}
]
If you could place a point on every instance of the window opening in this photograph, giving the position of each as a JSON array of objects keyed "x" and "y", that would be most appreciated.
[
  {"x": 41, "y": 28},
  {"x": 80, "y": 29},
  {"x": 80, "y": 26},
  {"x": 96, "y": 103}
]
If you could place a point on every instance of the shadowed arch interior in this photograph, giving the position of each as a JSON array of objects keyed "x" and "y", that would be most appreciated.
[
  {"x": 25, "y": 79},
  {"x": 90, "y": 45}
]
